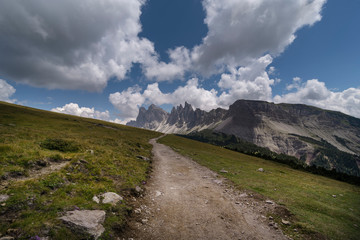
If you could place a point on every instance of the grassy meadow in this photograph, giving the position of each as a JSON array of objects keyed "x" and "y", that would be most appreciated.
[
  {"x": 309, "y": 197},
  {"x": 100, "y": 156}
]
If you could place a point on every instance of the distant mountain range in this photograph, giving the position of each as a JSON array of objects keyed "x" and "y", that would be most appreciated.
[{"x": 313, "y": 135}]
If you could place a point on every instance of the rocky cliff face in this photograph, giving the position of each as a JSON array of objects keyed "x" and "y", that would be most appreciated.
[
  {"x": 292, "y": 129},
  {"x": 180, "y": 120}
]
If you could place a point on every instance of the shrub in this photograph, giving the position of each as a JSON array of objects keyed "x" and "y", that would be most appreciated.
[{"x": 60, "y": 145}]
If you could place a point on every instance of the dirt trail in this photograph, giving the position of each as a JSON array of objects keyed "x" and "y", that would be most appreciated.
[
  {"x": 34, "y": 174},
  {"x": 184, "y": 200}
]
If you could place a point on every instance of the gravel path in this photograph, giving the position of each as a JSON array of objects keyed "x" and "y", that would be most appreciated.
[{"x": 184, "y": 200}]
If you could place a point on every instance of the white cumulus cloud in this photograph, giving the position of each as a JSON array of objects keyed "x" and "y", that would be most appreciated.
[
  {"x": 71, "y": 44},
  {"x": 239, "y": 32},
  {"x": 6, "y": 91},
  {"x": 74, "y": 109},
  {"x": 315, "y": 93}
]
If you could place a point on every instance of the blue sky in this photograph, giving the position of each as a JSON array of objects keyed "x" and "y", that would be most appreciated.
[{"x": 105, "y": 59}]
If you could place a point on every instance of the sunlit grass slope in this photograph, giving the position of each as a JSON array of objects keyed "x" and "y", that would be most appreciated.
[
  {"x": 101, "y": 157},
  {"x": 309, "y": 197}
]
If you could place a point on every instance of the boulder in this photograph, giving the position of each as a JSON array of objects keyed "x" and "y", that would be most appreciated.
[
  {"x": 86, "y": 221},
  {"x": 111, "y": 197}
]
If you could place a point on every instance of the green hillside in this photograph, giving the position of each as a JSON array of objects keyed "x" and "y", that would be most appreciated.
[
  {"x": 98, "y": 156},
  {"x": 319, "y": 204}
]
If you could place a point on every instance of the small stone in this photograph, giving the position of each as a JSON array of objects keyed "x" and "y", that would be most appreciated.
[
  {"x": 260, "y": 170},
  {"x": 334, "y": 196},
  {"x": 144, "y": 220},
  {"x": 3, "y": 204},
  {"x": 96, "y": 199},
  {"x": 285, "y": 222},
  {"x": 275, "y": 226},
  {"x": 243, "y": 195},
  {"x": 7, "y": 238},
  {"x": 143, "y": 158},
  {"x": 158, "y": 193},
  {"x": 138, "y": 210},
  {"x": 271, "y": 218},
  {"x": 217, "y": 181},
  {"x": 295, "y": 230},
  {"x": 111, "y": 197},
  {"x": 3, "y": 197},
  {"x": 237, "y": 203},
  {"x": 223, "y": 171},
  {"x": 269, "y": 202},
  {"x": 138, "y": 189}
]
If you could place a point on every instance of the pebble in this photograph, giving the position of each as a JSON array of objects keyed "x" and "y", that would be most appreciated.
[
  {"x": 285, "y": 222},
  {"x": 269, "y": 202},
  {"x": 223, "y": 171}
]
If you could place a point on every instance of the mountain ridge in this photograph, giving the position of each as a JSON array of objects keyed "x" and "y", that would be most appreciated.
[{"x": 293, "y": 129}]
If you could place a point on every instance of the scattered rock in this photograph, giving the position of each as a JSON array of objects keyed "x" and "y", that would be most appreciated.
[
  {"x": 269, "y": 202},
  {"x": 3, "y": 197},
  {"x": 285, "y": 222},
  {"x": 260, "y": 170},
  {"x": 217, "y": 181},
  {"x": 7, "y": 238},
  {"x": 96, "y": 199},
  {"x": 138, "y": 210},
  {"x": 158, "y": 193},
  {"x": 111, "y": 197},
  {"x": 243, "y": 195},
  {"x": 143, "y": 158},
  {"x": 138, "y": 189},
  {"x": 86, "y": 221},
  {"x": 223, "y": 171},
  {"x": 334, "y": 196}
]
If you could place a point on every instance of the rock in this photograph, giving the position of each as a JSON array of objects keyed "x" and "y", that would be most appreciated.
[
  {"x": 269, "y": 202},
  {"x": 143, "y": 158},
  {"x": 86, "y": 221},
  {"x": 3, "y": 197},
  {"x": 111, "y": 197},
  {"x": 271, "y": 218},
  {"x": 260, "y": 170},
  {"x": 144, "y": 221},
  {"x": 285, "y": 222},
  {"x": 334, "y": 196},
  {"x": 138, "y": 210},
  {"x": 158, "y": 193},
  {"x": 7, "y": 238},
  {"x": 243, "y": 195},
  {"x": 138, "y": 189},
  {"x": 223, "y": 171},
  {"x": 217, "y": 181},
  {"x": 96, "y": 199}
]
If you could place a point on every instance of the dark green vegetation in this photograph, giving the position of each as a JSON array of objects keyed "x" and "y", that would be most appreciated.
[
  {"x": 319, "y": 204},
  {"x": 319, "y": 166},
  {"x": 99, "y": 156}
]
